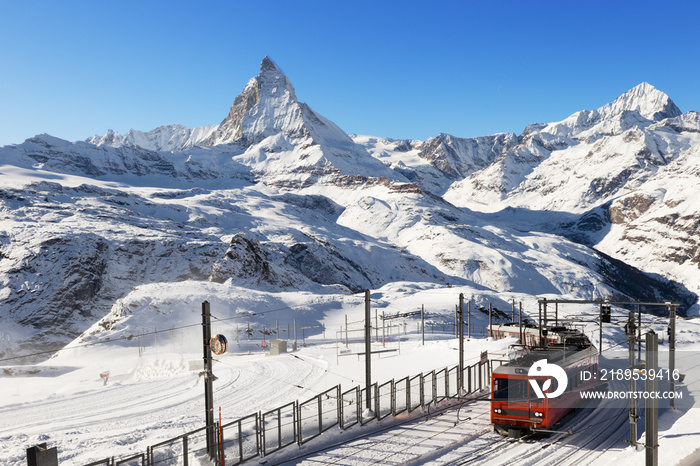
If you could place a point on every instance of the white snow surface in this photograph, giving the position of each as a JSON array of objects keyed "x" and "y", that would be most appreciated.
[{"x": 157, "y": 394}]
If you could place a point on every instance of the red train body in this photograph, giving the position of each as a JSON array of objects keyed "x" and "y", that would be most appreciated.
[{"x": 516, "y": 408}]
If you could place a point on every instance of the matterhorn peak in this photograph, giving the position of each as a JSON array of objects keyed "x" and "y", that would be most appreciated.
[
  {"x": 646, "y": 100},
  {"x": 256, "y": 111},
  {"x": 269, "y": 65}
]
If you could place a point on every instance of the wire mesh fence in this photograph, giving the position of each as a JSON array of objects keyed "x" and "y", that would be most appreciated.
[
  {"x": 415, "y": 392},
  {"x": 104, "y": 462},
  {"x": 453, "y": 381},
  {"x": 136, "y": 460},
  {"x": 385, "y": 400},
  {"x": 241, "y": 439},
  {"x": 369, "y": 414},
  {"x": 441, "y": 389},
  {"x": 350, "y": 406},
  {"x": 263, "y": 433},
  {"x": 169, "y": 453},
  {"x": 401, "y": 395},
  {"x": 278, "y": 428}
]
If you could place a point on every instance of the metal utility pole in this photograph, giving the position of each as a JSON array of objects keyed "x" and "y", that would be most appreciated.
[
  {"x": 368, "y": 352},
  {"x": 294, "y": 348},
  {"x": 672, "y": 350},
  {"x": 521, "y": 323},
  {"x": 639, "y": 331},
  {"x": 556, "y": 314},
  {"x": 460, "y": 374},
  {"x": 469, "y": 319},
  {"x": 346, "y": 330},
  {"x": 456, "y": 320},
  {"x": 490, "y": 320},
  {"x": 422, "y": 323},
  {"x": 651, "y": 413},
  {"x": 539, "y": 322},
  {"x": 376, "y": 326},
  {"x": 544, "y": 331},
  {"x": 383, "y": 329},
  {"x": 512, "y": 311},
  {"x": 208, "y": 379},
  {"x": 631, "y": 331},
  {"x": 600, "y": 331}
]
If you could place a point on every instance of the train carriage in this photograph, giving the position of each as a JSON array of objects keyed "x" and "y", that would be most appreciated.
[{"x": 516, "y": 407}]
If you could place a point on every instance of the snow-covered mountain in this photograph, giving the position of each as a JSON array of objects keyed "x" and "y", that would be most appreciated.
[
  {"x": 164, "y": 138},
  {"x": 628, "y": 172},
  {"x": 282, "y": 140},
  {"x": 278, "y": 198}
]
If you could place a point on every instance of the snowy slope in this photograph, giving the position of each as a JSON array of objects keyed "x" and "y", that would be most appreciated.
[
  {"x": 282, "y": 199},
  {"x": 156, "y": 394}
]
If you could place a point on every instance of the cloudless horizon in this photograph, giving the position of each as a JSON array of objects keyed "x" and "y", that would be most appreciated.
[{"x": 395, "y": 70}]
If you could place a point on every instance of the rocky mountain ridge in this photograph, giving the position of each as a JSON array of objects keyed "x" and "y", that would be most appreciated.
[{"x": 277, "y": 197}]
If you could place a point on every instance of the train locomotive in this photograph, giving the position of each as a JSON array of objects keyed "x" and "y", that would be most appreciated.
[{"x": 542, "y": 381}]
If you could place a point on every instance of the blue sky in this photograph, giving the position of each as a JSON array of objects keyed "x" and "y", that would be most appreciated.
[{"x": 393, "y": 69}]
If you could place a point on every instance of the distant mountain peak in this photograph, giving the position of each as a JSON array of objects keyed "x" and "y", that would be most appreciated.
[
  {"x": 273, "y": 89},
  {"x": 645, "y": 99},
  {"x": 268, "y": 64}
]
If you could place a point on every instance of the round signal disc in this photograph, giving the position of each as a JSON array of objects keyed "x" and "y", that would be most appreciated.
[{"x": 218, "y": 344}]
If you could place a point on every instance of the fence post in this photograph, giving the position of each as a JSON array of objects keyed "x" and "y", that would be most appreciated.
[
  {"x": 480, "y": 370},
  {"x": 408, "y": 394},
  {"x": 376, "y": 400},
  {"x": 422, "y": 390},
  {"x": 240, "y": 441},
  {"x": 469, "y": 378},
  {"x": 185, "y": 451},
  {"x": 339, "y": 405},
  {"x": 279, "y": 428},
  {"x": 259, "y": 432},
  {"x": 295, "y": 433},
  {"x": 298, "y": 410},
  {"x": 447, "y": 382},
  {"x": 320, "y": 415}
]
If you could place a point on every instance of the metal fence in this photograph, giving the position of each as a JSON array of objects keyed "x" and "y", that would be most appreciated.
[{"x": 263, "y": 433}]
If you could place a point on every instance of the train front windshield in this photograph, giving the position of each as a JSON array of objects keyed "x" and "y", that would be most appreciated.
[{"x": 510, "y": 389}]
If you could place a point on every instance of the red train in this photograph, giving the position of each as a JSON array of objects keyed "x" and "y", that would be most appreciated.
[{"x": 542, "y": 383}]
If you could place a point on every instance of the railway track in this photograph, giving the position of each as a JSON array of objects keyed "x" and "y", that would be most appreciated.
[{"x": 594, "y": 430}]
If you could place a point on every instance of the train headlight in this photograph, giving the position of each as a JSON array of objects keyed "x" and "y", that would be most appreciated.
[
  {"x": 497, "y": 410},
  {"x": 538, "y": 414}
]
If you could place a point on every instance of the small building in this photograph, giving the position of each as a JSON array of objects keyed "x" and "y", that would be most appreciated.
[{"x": 278, "y": 347}]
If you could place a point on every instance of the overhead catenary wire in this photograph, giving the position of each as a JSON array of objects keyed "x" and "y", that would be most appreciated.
[
  {"x": 101, "y": 342},
  {"x": 131, "y": 336}
]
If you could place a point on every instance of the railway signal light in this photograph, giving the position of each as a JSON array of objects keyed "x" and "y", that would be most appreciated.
[{"x": 605, "y": 313}]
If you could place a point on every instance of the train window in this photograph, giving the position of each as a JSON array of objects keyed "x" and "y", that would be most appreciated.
[
  {"x": 500, "y": 388},
  {"x": 512, "y": 389}
]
